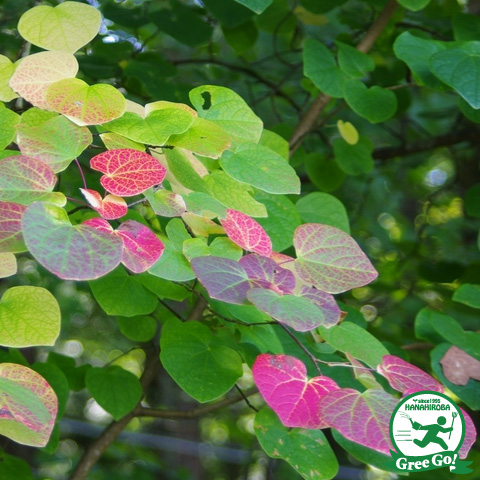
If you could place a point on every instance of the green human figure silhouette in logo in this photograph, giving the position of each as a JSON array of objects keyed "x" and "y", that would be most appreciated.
[{"x": 432, "y": 431}]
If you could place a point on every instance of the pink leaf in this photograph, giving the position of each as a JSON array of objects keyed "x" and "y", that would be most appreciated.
[
  {"x": 142, "y": 248},
  {"x": 247, "y": 233},
  {"x": 283, "y": 383},
  {"x": 100, "y": 224},
  {"x": 470, "y": 435},
  {"x": 128, "y": 172},
  {"x": 363, "y": 418},
  {"x": 11, "y": 239},
  {"x": 110, "y": 208},
  {"x": 325, "y": 302},
  {"x": 405, "y": 377}
]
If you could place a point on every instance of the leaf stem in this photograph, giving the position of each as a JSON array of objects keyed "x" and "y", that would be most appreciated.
[{"x": 81, "y": 173}]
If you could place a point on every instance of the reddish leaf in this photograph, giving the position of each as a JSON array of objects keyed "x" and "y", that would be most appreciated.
[
  {"x": 405, "y": 377},
  {"x": 100, "y": 224},
  {"x": 11, "y": 239},
  {"x": 128, "y": 172},
  {"x": 247, "y": 233},
  {"x": 459, "y": 367},
  {"x": 110, "y": 208},
  {"x": 142, "y": 248},
  {"x": 470, "y": 435},
  {"x": 363, "y": 418},
  {"x": 325, "y": 302},
  {"x": 282, "y": 381}
]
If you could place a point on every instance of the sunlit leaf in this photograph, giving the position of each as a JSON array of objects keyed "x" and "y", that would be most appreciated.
[
  {"x": 186, "y": 169},
  {"x": 348, "y": 132},
  {"x": 8, "y": 264},
  {"x": 330, "y": 259},
  {"x": 6, "y": 71},
  {"x": 29, "y": 405},
  {"x": 113, "y": 141},
  {"x": 84, "y": 104},
  {"x": 201, "y": 226},
  {"x": 165, "y": 202},
  {"x": 8, "y": 123},
  {"x": 35, "y": 73},
  {"x": 128, "y": 172},
  {"x": 11, "y": 239},
  {"x": 78, "y": 252},
  {"x": 247, "y": 233},
  {"x": 203, "y": 204},
  {"x": 66, "y": 27},
  {"x": 282, "y": 381},
  {"x": 110, "y": 207}
]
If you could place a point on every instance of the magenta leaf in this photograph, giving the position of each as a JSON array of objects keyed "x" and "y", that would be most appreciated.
[
  {"x": 363, "y": 418},
  {"x": 247, "y": 233},
  {"x": 470, "y": 435},
  {"x": 11, "y": 239},
  {"x": 325, "y": 302},
  {"x": 100, "y": 224},
  {"x": 296, "y": 312},
  {"x": 330, "y": 259},
  {"x": 405, "y": 377},
  {"x": 24, "y": 179},
  {"x": 224, "y": 279},
  {"x": 264, "y": 272},
  {"x": 142, "y": 248},
  {"x": 128, "y": 172},
  {"x": 282, "y": 381},
  {"x": 110, "y": 207},
  {"x": 72, "y": 252}
]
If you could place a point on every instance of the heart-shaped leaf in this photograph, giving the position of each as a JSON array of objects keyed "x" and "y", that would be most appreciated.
[
  {"x": 282, "y": 381},
  {"x": 247, "y": 233},
  {"x": 8, "y": 265},
  {"x": 325, "y": 302},
  {"x": 66, "y": 27},
  {"x": 29, "y": 405},
  {"x": 110, "y": 207},
  {"x": 165, "y": 202},
  {"x": 24, "y": 179},
  {"x": 296, "y": 312},
  {"x": 405, "y": 377},
  {"x": 352, "y": 61},
  {"x": 114, "y": 389},
  {"x": 354, "y": 159},
  {"x": 155, "y": 128},
  {"x": 330, "y": 259},
  {"x": 84, "y": 104},
  {"x": 29, "y": 316},
  {"x": 363, "y": 418},
  {"x": 128, "y": 172},
  {"x": 77, "y": 252},
  {"x": 6, "y": 71},
  {"x": 224, "y": 279},
  {"x": 11, "y": 239},
  {"x": 307, "y": 451},
  {"x": 56, "y": 141},
  {"x": 35, "y": 73},
  {"x": 376, "y": 104}
]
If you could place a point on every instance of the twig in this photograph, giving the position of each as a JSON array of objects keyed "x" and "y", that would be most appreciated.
[
  {"x": 171, "y": 310},
  {"x": 81, "y": 173},
  {"x": 247, "y": 401}
]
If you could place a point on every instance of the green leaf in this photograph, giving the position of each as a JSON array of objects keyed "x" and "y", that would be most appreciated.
[
  {"x": 74, "y": 375},
  {"x": 466, "y": 27},
  {"x": 228, "y": 110},
  {"x": 258, "y": 6},
  {"x": 138, "y": 329},
  {"x": 8, "y": 123},
  {"x": 324, "y": 172},
  {"x": 472, "y": 200},
  {"x": 29, "y": 316},
  {"x": 67, "y": 27},
  {"x": 12, "y": 467},
  {"x": 275, "y": 142},
  {"x": 6, "y": 71},
  {"x": 352, "y": 61},
  {"x": 306, "y": 450},
  {"x": 241, "y": 37},
  {"x": 180, "y": 165},
  {"x": 165, "y": 202},
  {"x": 349, "y": 337},
  {"x": 262, "y": 168},
  {"x": 163, "y": 288},
  {"x": 468, "y": 294},
  {"x": 283, "y": 218},
  {"x": 460, "y": 68},
  {"x": 233, "y": 194},
  {"x": 320, "y": 67},
  {"x": 319, "y": 207},
  {"x": 113, "y": 141},
  {"x": 224, "y": 247},
  {"x": 376, "y": 104},
  {"x": 228, "y": 12},
  {"x": 414, "y": 5},
  {"x": 354, "y": 159},
  {"x": 114, "y": 389},
  {"x": 471, "y": 113},
  {"x": 204, "y": 205},
  {"x": 121, "y": 294},
  {"x": 199, "y": 362}
]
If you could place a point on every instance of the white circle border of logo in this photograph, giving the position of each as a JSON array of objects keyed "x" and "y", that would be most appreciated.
[{"x": 413, "y": 416}]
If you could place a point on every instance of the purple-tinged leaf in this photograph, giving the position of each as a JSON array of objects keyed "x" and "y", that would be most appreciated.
[
  {"x": 165, "y": 202},
  {"x": 405, "y": 377},
  {"x": 24, "y": 179},
  {"x": 296, "y": 312},
  {"x": 110, "y": 207},
  {"x": 470, "y": 435},
  {"x": 11, "y": 239},
  {"x": 29, "y": 405},
  {"x": 363, "y": 418},
  {"x": 325, "y": 302},
  {"x": 330, "y": 259},
  {"x": 247, "y": 233},
  {"x": 282, "y": 381},
  {"x": 78, "y": 252},
  {"x": 142, "y": 248},
  {"x": 223, "y": 278},
  {"x": 264, "y": 272},
  {"x": 128, "y": 172}
]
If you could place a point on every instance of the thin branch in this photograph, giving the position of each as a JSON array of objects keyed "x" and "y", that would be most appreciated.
[
  {"x": 195, "y": 412},
  {"x": 307, "y": 122},
  {"x": 171, "y": 310}
]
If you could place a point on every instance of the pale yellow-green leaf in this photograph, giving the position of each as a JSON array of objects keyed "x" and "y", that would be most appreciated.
[
  {"x": 8, "y": 264},
  {"x": 114, "y": 140},
  {"x": 29, "y": 316},
  {"x": 66, "y": 27},
  {"x": 6, "y": 71},
  {"x": 163, "y": 104},
  {"x": 348, "y": 132}
]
